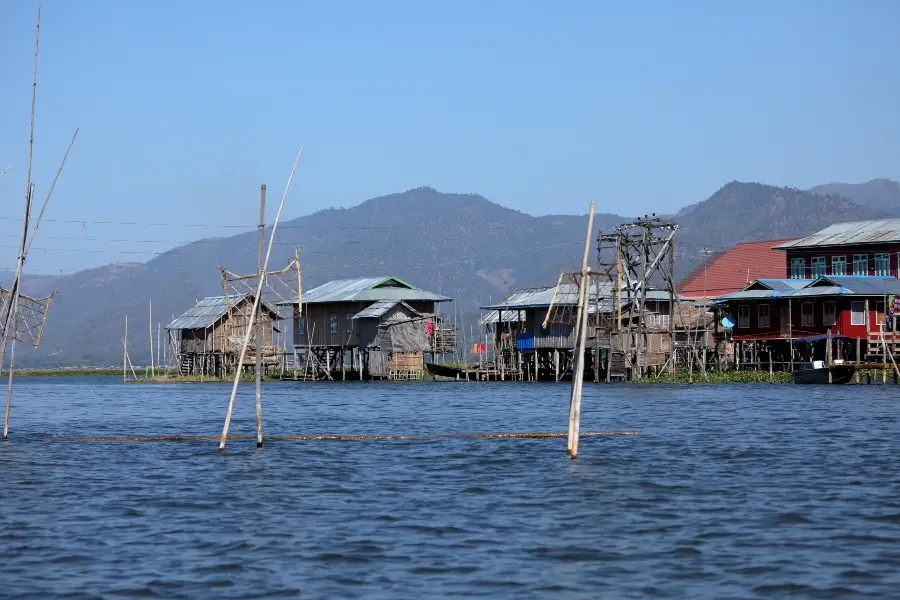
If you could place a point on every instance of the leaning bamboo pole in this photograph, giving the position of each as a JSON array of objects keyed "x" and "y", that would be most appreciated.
[
  {"x": 256, "y": 299},
  {"x": 578, "y": 371}
]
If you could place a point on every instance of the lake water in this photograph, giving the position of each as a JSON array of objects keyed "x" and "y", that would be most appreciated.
[{"x": 730, "y": 491}]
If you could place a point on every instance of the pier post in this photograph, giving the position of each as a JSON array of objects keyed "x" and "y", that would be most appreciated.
[
  {"x": 828, "y": 354},
  {"x": 858, "y": 361}
]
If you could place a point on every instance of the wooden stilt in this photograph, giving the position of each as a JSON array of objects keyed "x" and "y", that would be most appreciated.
[
  {"x": 858, "y": 360},
  {"x": 828, "y": 354}
]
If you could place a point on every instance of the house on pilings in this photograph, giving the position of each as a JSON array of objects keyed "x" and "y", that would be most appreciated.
[
  {"x": 206, "y": 339},
  {"x": 373, "y": 327},
  {"x": 525, "y": 349},
  {"x": 786, "y": 321}
]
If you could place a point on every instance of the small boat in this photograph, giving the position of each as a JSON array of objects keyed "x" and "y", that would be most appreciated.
[
  {"x": 817, "y": 373},
  {"x": 444, "y": 371}
]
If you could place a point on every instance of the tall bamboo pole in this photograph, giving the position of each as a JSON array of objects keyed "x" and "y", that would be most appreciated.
[
  {"x": 259, "y": 337},
  {"x": 13, "y": 302},
  {"x": 152, "y": 372},
  {"x": 578, "y": 371},
  {"x": 259, "y": 284}
]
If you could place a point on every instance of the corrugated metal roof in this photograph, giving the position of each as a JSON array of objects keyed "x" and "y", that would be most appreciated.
[
  {"x": 209, "y": 310},
  {"x": 382, "y": 306},
  {"x": 509, "y": 316},
  {"x": 822, "y": 290},
  {"x": 733, "y": 269},
  {"x": 863, "y": 285},
  {"x": 784, "y": 285},
  {"x": 748, "y": 295},
  {"x": 367, "y": 289},
  {"x": 842, "y": 285},
  {"x": 857, "y": 232},
  {"x": 567, "y": 296}
]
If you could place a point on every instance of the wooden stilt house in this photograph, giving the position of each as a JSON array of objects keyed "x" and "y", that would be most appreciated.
[{"x": 206, "y": 339}]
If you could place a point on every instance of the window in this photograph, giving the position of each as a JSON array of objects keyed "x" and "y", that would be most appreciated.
[
  {"x": 798, "y": 268},
  {"x": 860, "y": 264},
  {"x": 349, "y": 322},
  {"x": 807, "y": 316},
  {"x": 858, "y": 313},
  {"x": 743, "y": 316},
  {"x": 332, "y": 324},
  {"x": 301, "y": 323},
  {"x": 879, "y": 312},
  {"x": 883, "y": 264},
  {"x": 838, "y": 265},
  {"x": 818, "y": 266},
  {"x": 829, "y": 315},
  {"x": 763, "y": 314}
]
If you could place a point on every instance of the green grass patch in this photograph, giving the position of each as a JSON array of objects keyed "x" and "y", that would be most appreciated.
[{"x": 746, "y": 376}]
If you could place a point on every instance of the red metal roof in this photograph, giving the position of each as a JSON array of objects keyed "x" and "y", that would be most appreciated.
[{"x": 731, "y": 270}]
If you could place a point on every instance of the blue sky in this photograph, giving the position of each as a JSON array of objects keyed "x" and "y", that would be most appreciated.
[{"x": 186, "y": 107}]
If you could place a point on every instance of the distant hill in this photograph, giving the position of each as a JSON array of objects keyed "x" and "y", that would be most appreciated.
[
  {"x": 745, "y": 212},
  {"x": 462, "y": 245},
  {"x": 880, "y": 194},
  {"x": 459, "y": 244}
]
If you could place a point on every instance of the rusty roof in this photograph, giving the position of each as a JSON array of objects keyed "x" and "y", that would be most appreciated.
[
  {"x": 733, "y": 269},
  {"x": 857, "y": 232}
]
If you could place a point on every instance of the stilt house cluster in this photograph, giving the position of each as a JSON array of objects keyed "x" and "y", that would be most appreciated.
[{"x": 839, "y": 284}]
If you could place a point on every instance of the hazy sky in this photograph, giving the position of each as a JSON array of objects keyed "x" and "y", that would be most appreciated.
[{"x": 186, "y": 107}]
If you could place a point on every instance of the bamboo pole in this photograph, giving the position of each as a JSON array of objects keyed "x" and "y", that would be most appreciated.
[
  {"x": 256, "y": 300},
  {"x": 152, "y": 372},
  {"x": 50, "y": 192},
  {"x": 828, "y": 354},
  {"x": 125, "y": 352},
  {"x": 578, "y": 372},
  {"x": 255, "y": 321},
  {"x": 5, "y": 170},
  {"x": 13, "y": 303}
]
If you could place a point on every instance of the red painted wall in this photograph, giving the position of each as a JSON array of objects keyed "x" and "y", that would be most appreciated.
[
  {"x": 777, "y": 308},
  {"x": 847, "y": 251}
]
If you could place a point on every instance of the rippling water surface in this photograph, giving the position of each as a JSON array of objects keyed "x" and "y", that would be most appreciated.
[{"x": 729, "y": 491}]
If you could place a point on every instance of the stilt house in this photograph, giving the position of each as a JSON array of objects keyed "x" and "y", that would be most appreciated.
[
  {"x": 524, "y": 348},
  {"x": 206, "y": 339},
  {"x": 784, "y": 321},
  {"x": 378, "y": 326}
]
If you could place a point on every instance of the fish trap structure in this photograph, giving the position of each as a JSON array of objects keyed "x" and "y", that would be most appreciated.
[{"x": 206, "y": 339}]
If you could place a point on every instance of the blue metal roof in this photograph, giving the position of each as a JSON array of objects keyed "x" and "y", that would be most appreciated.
[
  {"x": 209, "y": 310},
  {"x": 782, "y": 285},
  {"x": 832, "y": 285},
  {"x": 367, "y": 289}
]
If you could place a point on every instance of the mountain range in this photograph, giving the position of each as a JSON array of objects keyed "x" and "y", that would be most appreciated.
[{"x": 461, "y": 245}]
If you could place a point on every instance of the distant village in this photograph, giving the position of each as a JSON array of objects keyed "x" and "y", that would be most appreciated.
[{"x": 763, "y": 305}]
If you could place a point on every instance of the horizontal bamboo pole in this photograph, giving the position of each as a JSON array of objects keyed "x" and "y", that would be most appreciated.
[{"x": 314, "y": 437}]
